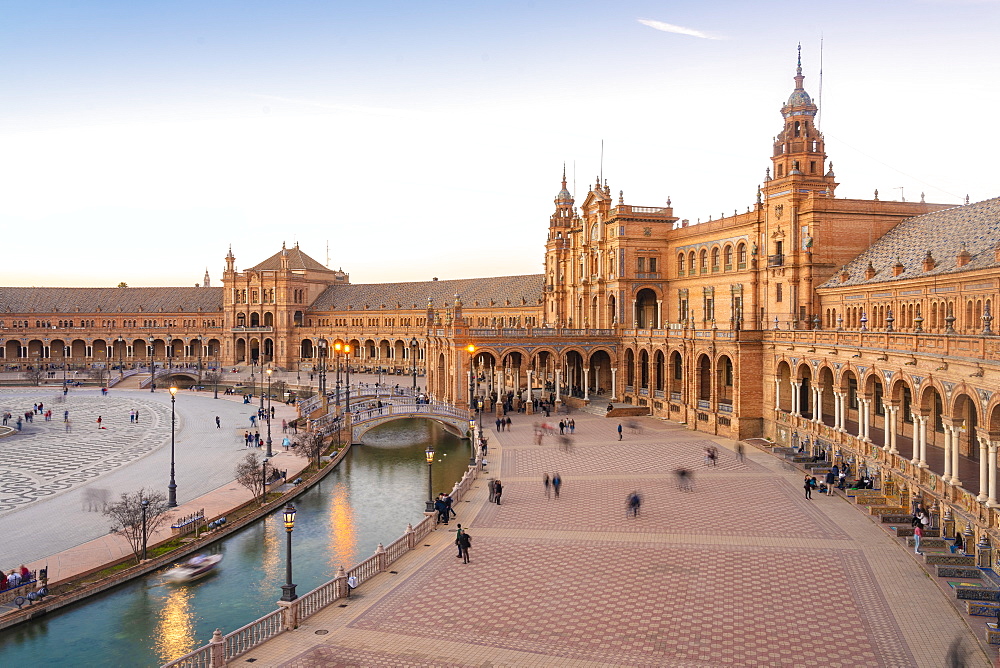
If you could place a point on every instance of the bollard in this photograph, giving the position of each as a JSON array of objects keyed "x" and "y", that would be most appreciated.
[
  {"x": 948, "y": 525},
  {"x": 984, "y": 552},
  {"x": 217, "y": 649}
]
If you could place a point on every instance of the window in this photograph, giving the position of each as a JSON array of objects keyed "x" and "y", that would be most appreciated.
[
  {"x": 715, "y": 259},
  {"x": 680, "y": 264},
  {"x": 741, "y": 256},
  {"x": 777, "y": 292},
  {"x": 640, "y": 264},
  {"x": 652, "y": 265},
  {"x": 728, "y": 257},
  {"x": 704, "y": 261}
]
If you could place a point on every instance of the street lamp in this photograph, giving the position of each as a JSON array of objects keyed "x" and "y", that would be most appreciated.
[
  {"x": 429, "y": 454},
  {"x": 145, "y": 536},
  {"x": 152, "y": 373},
  {"x": 263, "y": 481},
  {"x": 121, "y": 368},
  {"x": 172, "y": 487},
  {"x": 215, "y": 374},
  {"x": 268, "y": 415},
  {"x": 414, "y": 352},
  {"x": 201, "y": 350},
  {"x": 322, "y": 367},
  {"x": 65, "y": 356},
  {"x": 472, "y": 442},
  {"x": 347, "y": 368},
  {"x": 169, "y": 350},
  {"x": 338, "y": 346},
  {"x": 472, "y": 391},
  {"x": 288, "y": 589}
]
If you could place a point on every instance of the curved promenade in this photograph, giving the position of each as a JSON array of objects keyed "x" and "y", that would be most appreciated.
[{"x": 742, "y": 570}]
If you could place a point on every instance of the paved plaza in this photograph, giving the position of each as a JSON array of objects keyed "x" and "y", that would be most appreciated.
[
  {"x": 740, "y": 571},
  {"x": 54, "y": 481}
]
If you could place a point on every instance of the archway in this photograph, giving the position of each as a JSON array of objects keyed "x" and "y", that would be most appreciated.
[{"x": 646, "y": 316}]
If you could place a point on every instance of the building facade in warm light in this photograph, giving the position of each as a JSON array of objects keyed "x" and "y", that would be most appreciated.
[{"x": 862, "y": 325}]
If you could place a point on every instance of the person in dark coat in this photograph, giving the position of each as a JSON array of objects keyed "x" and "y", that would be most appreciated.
[
  {"x": 464, "y": 542},
  {"x": 497, "y": 491},
  {"x": 442, "y": 510}
]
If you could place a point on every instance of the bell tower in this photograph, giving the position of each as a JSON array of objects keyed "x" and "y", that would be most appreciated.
[
  {"x": 557, "y": 255},
  {"x": 799, "y": 157}
]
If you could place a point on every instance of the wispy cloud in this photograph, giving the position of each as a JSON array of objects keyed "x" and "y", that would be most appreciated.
[{"x": 680, "y": 30}]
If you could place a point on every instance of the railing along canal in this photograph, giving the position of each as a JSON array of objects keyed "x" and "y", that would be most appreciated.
[{"x": 223, "y": 649}]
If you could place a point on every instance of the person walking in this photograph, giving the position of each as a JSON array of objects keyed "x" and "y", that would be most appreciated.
[
  {"x": 619, "y": 431},
  {"x": 464, "y": 542},
  {"x": 831, "y": 478},
  {"x": 492, "y": 485},
  {"x": 442, "y": 510},
  {"x": 807, "y": 485},
  {"x": 498, "y": 424},
  {"x": 556, "y": 484},
  {"x": 633, "y": 502},
  {"x": 498, "y": 491},
  {"x": 99, "y": 420},
  {"x": 545, "y": 481},
  {"x": 458, "y": 540},
  {"x": 739, "y": 452},
  {"x": 918, "y": 532},
  {"x": 218, "y": 422},
  {"x": 562, "y": 427}
]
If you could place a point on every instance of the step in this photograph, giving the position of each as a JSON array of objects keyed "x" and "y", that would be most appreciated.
[
  {"x": 976, "y": 593},
  {"x": 929, "y": 543},
  {"x": 884, "y": 510},
  {"x": 992, "y": 634},
  {"x": 897, "y": 518},
  {"x": 783, "y": 450},
  {"x": 949, "y": 560},
  {"x": 905, "y": 531},
  {"x": 870, "y": 500},
  {"x": 944, "y": 571},
  {"x": 982, "y": 608}
]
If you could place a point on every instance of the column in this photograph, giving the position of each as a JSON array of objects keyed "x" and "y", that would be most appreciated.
[
  {"x": 614, "y": 384},
  {"x": 818, "y": 405},
  {"x": 530, "y": 396},
  {"x": 991, "y": 501},
  {"x": 889, "y": 442},
  {"x": 635, "y": 314},
  {"x": 842, "y": 425},
  {"x": 923, "y": 442},
  {"x": 861, "y": 418},
  {"x": 838, "y": 411},
  {"x": 558, "y": 383},
  {"x": 955, "y": 450},
  {"x": 984, "y": 470},
  {"x": 586, "y": 383},
  {"x": 659, "y": 310},
  {"x": 777, "y": 394},
  {"x": 915, "y": 459},
  {"x": 946, "y": 475},
  {"x": 868, "y": 420},
  {"x": 795, "y": 397}
]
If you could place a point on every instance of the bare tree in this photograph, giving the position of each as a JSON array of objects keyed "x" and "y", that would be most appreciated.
[
  {"x": 126, "y": 515},
  {"x": 310, "y": 445},
  {"x": 212, "y": 378},
  {"x": 250, "y": 474},
  {"x": 278, "y": 388},
  {"x": 34, "y": 375}
]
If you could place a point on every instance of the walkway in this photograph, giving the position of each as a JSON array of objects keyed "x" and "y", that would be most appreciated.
[
  {"x": 53, "y": 484},
  {"x": 740, "y": 571}
]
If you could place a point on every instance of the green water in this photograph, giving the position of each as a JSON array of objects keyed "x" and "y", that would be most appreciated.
[{"x": 369, "y": 499}]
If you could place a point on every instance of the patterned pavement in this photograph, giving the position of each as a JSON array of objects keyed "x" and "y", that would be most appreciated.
[{"x": 741, "y": 571}]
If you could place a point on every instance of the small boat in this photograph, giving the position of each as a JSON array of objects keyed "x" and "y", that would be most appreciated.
[{"x": 196, "y": 567}]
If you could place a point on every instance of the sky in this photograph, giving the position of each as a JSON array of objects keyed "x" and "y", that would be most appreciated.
[{"x": 420, "y": 139}]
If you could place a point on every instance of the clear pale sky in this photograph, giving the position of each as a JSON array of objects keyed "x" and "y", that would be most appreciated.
[{"x": 138, "y": 140}]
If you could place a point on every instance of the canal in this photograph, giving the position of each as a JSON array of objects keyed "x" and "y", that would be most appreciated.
[{"x": 375, "y": 492}]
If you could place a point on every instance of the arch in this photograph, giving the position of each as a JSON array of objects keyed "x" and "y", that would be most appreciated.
[
  {"x": 680, "y": 264},
  {"x": 783, "y": 396},
  {"x": 676, "y": 375},
  {"x": 704, "y": 378},
  {"x": 630, "y": 368},
  {"x": 659, "y": 375},
  {"x": 644, "y": 369},
  {"x": 965, "y": 413},
  {"x": 716, "y": 254},
  {"x": 727, "y": 257},
  {"x": 724, "y": 381},
  {"x": 600, "y": 372},
  {"x": 741, "y": 256},
  {"x": 703, "y": 261},
  {"x": 269, "y": 319},
  {"x": 612, "y": 311},
  {"x": 692, "y": 266},
  {"x": 306, "y": 349},
  {"x": 241, "y": 350},
  {"x": 646, "y": 316}
]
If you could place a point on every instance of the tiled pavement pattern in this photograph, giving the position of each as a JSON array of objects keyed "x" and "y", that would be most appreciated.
[
  {"x": 742, "y": 571},
  {"x": 52, "y": 483},
  {"x": 45, "y": 459}
]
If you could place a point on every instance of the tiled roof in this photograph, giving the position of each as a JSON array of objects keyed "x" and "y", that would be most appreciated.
[
  {"x": 297, "y": 260},
  {"x": 415, "y": 295},
  {"x": 942, "y": 233},
  {"x": 110, "y": 300}
]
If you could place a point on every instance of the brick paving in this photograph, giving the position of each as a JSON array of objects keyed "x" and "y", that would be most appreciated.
[{"x": 742, "y": 571}]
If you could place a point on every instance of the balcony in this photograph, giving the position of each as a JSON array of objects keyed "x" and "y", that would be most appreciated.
[
  {"x": 242, "y": 330},
  {"x": 776, "y": 260}
]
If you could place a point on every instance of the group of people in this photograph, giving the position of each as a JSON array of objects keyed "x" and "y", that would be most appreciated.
[
  {"x": 252, "y": 440},
  {"x": 503, "y": 424},
  {"x": 496, "y": 490},
  {"x": 442, "y": 505},
  {"x": 921, "y": 522},
  {"x": 16, "y": 578},
  {"x": 555, "y": 482}
]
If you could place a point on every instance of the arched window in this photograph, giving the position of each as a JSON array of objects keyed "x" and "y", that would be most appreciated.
[
  {"x": 680, "y": 264},
  {"x": 727, "y": 257},
  {"x": 715, "y": 259},
  {"x": 704, "y": 261},
  {"x": 741, "y": 256}
]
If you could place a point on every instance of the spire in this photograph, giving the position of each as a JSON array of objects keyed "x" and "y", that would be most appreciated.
[
  {"x": 207, "y": 282},
  {"x": 229, "y": 255},
  {"x": 798, "y": 70}
]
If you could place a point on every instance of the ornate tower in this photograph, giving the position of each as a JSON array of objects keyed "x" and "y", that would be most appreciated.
[
  {"x": 207, "y": 282},
  {"x": 558, "y": 256}
]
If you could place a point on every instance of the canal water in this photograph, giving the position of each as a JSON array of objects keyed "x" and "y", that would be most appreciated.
[{"x": 375, "y": 492}]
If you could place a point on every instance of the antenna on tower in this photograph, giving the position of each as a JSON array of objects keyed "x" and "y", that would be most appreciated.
[
  {"x": 327, "y": 253},
  {"x": 819, "y": 114}
]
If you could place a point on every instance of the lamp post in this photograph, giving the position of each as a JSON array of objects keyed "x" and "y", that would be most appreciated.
[
  {"x": 215, "y": 374},
  {"x": 338, "y": 346},
  {"x": 145, "y": 536},
  {"x": 263, "y": 481},
  {"x": 472, "y": 391},
  {"x": 472, "y": 442},
  {"x": 107, "y": 363},
  {"x": 201, "y": 350},
  {"x": 65, "y": 357},
  {"x": 121, "y": 367},
  {"x": 414, "y": 352},
  {"x": 288, "y": 589},
  {"x": 322, "y": 367},
  {"x": 152, "y": 373},
  {"x": 172, "y": 487},
  {"x": 267, "y": 416},
  {"x": 429, "y": 454},
  {"x": 169, "y": 350},
  {"x": 347, "y": 368}
]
